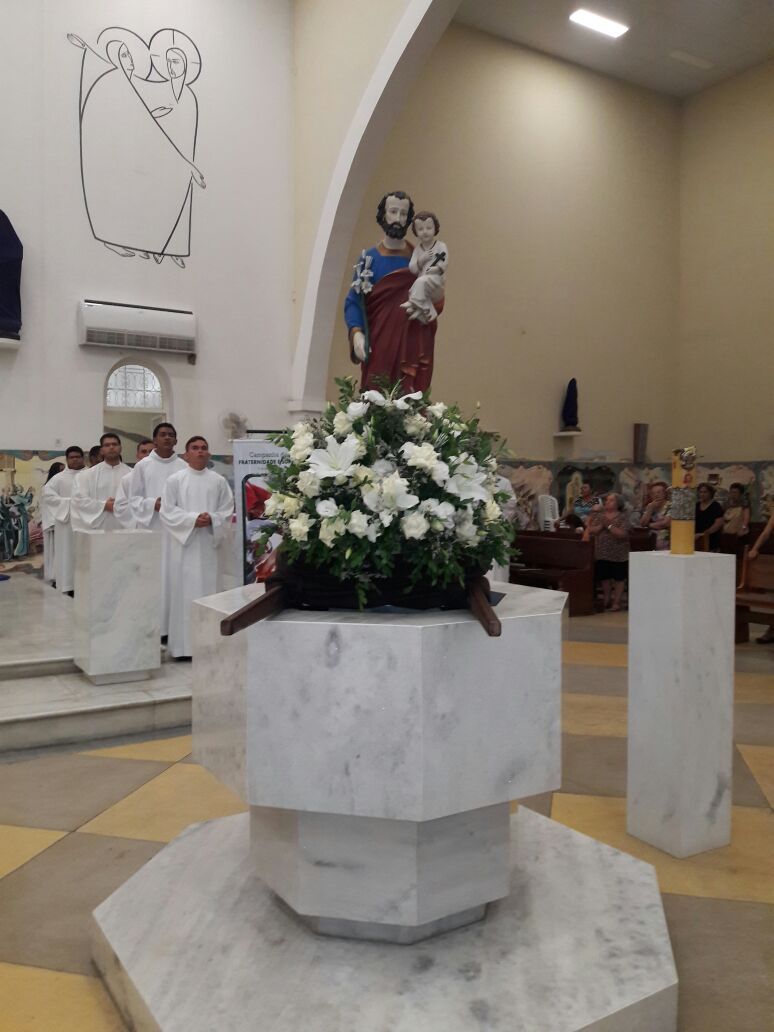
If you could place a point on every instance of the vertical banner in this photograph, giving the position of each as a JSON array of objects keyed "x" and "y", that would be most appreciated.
[{"x": 256, "y": 537}]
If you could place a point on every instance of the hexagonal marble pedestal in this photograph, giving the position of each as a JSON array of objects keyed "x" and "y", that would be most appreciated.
[
  {"x": 380, "y": 751},
  {"x": 194, "y": 942}
]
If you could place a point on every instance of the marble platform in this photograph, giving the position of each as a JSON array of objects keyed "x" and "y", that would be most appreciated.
[
  {"x": 681, "y": 694},
  {"x": 117, "y": 604},
  {"x": 36, "y": 629},
  {"x": 194, "y": 942},
  {"x": 379, "y": 751}
]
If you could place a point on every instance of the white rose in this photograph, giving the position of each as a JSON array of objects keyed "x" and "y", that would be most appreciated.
[
  {"x": 290, "y": 505},
  {"x": 273, "y": 505},
  {"x": 386, "y": 518},
  {"x": 342, "y": 424},
  {"x": 440, "y": 473},
  {"x": 357, "y": 409},
  {"x": 302, "y": 448},
  {"x": 395, "y": 493},
  {"x": 299, "y": 527},
  {"x": 492, "y": 511},
  {"x": 442, "y": 513},
  {"x": 361, "y": 474},
  {"x": 301, "y": 430},
  {"x": 420, "y": 456},
  {"x": 358, "y": 445},
  {"x": 437, "y": 409},
  {"x": 383, "y": 467},
  {"x": 415, "y": 425},
  {"x": 329, "y": 531},
  {"x": 414, "y": 525},
  {"x": 309, "y": 483},
  {"x": 327, "y": 507},
  {"x": 465, "y": 527},
  {"x": 361, "y": 526}
]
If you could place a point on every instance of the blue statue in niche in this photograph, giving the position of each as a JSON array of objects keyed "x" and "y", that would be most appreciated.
[
  {"x": 570, "y": 407},
  {"x": 11, "y": 252}
]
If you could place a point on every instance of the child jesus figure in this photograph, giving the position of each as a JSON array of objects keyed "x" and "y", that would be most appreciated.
[{"x": 428, "y": 263}]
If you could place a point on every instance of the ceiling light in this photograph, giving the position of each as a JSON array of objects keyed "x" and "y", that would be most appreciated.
[{"x": 589, "y": 20}]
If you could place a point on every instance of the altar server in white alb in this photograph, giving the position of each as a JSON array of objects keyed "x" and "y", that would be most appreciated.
[
  {"x": 196, "y": 508},
  {"x": 122, "y": 509},
  {"x": 146, "y": 486},
  {"x": 96, "y": 488},
  {"x": 56, "y": 499},
  {"x": 47, "y": 522}
]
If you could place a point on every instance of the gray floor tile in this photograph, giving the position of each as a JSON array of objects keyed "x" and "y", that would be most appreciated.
[
  {"x": 63, "y": 791},
  {"x": 46, "y": 904}
]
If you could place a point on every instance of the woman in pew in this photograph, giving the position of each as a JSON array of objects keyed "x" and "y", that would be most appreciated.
[
  {"x": 609, "y": 529},
  {"x": 768, "y": 637}
]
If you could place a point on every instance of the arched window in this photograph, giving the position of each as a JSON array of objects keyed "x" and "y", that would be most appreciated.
[
  {"x": 134, "y": 403},
  {"x": 134, "y": 387}
]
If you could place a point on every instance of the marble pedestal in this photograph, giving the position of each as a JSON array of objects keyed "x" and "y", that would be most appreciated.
[
  {"x": 681, "y": 685},
  {"x": 379, "y": 753},
  {"x": 194, "y": 941},
  {"x": 117, "y": 604}
]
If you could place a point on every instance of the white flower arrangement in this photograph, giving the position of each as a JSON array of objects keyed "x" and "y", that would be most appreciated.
[{"x": 384, "y": 485}]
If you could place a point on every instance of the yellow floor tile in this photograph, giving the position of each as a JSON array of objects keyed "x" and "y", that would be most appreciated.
[
  {"x": 169, "y": 749},
  {"x": 163, "y": 807},
  {"x": 594, "y": 653},
  {"x": 754, "y": 688},
  {"x": 760, "y": 760},
  {"x": 18, "y": 845},
  {"x": 36, "y": 1000},
  {"x": 740, "y": 871},
  {"x": 594, "y": 715}
]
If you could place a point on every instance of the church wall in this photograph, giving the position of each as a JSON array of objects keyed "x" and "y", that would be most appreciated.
[
  {"x": 727, "y": 260},
  {"x": 557, "y": 192},
  {"x": 238, "y": 277},
  {"x": 336, "y": 47}
]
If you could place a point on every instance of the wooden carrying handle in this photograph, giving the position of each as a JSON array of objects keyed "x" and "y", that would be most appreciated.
[
  {"x": 481, "y": 608},
  {"x": 270, "y": 602}
]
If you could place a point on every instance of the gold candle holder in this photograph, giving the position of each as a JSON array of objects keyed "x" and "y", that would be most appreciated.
[{"x": 682, "y": 537}]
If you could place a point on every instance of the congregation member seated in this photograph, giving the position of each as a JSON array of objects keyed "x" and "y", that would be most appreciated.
[
  {"x": 656, "y": 515},
  {"x": 608, "y": 528},
  {"x": 736, "y": 518},
  {"x": 768, "y": 636},
  {"x": 709, "y": 517}
]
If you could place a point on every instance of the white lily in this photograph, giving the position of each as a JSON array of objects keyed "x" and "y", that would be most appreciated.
[
  {"x": 468, "y": 482},
  {"x": 403, "y": 403},
  {"x": 337, "y": 459},
  {"x": 375, "y": 397},
  {"x": 357, "y": 409}
]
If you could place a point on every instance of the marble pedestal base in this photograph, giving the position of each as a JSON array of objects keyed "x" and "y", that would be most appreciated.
[
  {"x": 371, "y": 878},
  {"x": 194, "y": 941},
  {"x": 681, "y": 694},
  {"x": 117, "y": 604}
]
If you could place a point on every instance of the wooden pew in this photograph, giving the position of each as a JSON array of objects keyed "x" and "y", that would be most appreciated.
[
  {"x": 755, "y": 594},
  {"x": 551, "y": 560}
]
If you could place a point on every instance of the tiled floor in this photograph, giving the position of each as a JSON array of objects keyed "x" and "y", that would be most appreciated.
[{"x": 75, "y": 824}]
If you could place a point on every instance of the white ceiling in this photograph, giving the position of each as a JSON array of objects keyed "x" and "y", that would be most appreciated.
[{"x": 729, "y": 34}]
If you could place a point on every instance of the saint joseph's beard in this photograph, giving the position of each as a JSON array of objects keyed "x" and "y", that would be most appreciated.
[{"x": 394, "y": 230}]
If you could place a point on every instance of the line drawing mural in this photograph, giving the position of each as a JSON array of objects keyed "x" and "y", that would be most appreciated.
[{"x": 138, "y": 121}]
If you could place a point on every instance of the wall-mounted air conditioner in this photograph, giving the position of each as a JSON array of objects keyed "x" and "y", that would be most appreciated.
[{"x": 108, "y": 324}]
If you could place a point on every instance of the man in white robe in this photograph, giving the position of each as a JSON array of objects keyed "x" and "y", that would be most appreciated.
[
  {"x": 146, "y": 486},
  {"x": 196, "y": 508},
  {"x": 95, "y": 489},
  {"x": 122, "y": 509},
  {"x": 56, "y": 499}
]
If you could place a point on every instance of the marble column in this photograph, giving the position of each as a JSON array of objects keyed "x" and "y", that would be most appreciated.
[
  {"x": 681, "y": 692},
  {"x": 117, "y": 604}
]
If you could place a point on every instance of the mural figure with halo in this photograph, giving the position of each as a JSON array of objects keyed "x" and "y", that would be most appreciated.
[{"x": 138, "y": 120}]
